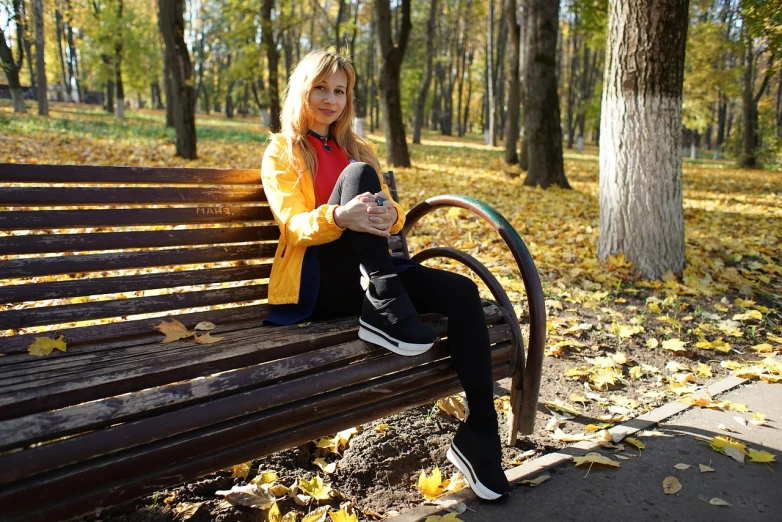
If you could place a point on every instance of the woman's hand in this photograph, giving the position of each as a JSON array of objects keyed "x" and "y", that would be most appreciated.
[{"x": 363, "y": 214}]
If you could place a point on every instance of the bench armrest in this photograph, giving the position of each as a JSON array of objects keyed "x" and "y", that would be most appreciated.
[{"x": 535, "y": 298}]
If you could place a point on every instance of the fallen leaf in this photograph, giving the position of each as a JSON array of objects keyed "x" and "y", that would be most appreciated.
[
  {"x": 205, "y": 325},
  {"x": 677, "y": 346},
  {"x": 187, "y": 510},
  {"x": 342, "y": 516},
  {"x": 318, "y": 515},
  {"x": 735, "y": 454},
  {"x": 431, "y": 485},
  {"x": 453, "y": 406},
  {"x": 380, "y": 428},
  {"x": 44, "y": 345},
  {"x": 652, "y": 342},
  {"x": 562, "y": 407},
  {"x": 450, "y": 517},
  {"x": 595, "y": 458},
  {"x": 635, "y": 442},
  {"x": 761, "y": 456},
  {"x": 266, "y": 477},
  {"x": 173, "y": 330},
  {"x": 718, "y": 502},
  {"x": 682, "y": 466},
  {"x": 250, "y": 495},
  {"x": 207, "y": 339},
  {"x": 671, "y": 485},
  {"x": 327, "y": 468},
  {"x": 240, "y": 470},
  {"x": 705, "y": 469},
  {"x": 316, "y": 488},
  {"x": 536, "y": 481},
  {"x": 758, "y": 419}
]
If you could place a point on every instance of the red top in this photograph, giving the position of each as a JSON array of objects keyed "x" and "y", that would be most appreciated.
[{"x": 331, "y": 163}]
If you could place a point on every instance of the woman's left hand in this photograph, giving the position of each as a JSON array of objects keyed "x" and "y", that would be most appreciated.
[{"x": 385, "y": 215}]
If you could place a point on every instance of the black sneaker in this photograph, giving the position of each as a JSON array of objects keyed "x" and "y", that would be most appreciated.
[
  {"x": 394, "y": 324},
  {"x": 479, "y": 458}
]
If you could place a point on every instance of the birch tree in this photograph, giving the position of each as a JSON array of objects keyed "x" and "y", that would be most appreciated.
[{"x": 641, "y": 212}]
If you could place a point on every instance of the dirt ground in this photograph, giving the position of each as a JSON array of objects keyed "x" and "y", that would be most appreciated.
[{"x": 378, "y": 470}]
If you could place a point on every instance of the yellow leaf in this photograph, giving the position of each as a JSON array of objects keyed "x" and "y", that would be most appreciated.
[
  {"x": 44, "y": 345},
  {"x": 763, "y": 348},
  {"x": 718, "y": 502},
  {"x": 431, "y": 485},
  {"x": 290, "y": 516},
  {"x": 635, "y": 372},
  {"x": 774, "y": 338},
  {"x": 267, "y": 477},
  {"x": 654, "y": 308},
  {"x": 595, "y": 458},
  {"x": 273, "y": 515},
  {"x": 536, "y": 481},
  {"x": 453, "y": 406},
  {"x": 450, "y": 517},
  {"x": 561, "y": 407},
  {"x": 380, "y": 428},
  {"x": 315, "y": 488},
  {"x": 671, "y": 485},
  {"x": 744, "y": 303},
  {"x": 635, "y": 442},
  {"x": 205, "y": 325},
  {"x": 324, "y": 466},
  {"x": 703, "y": 370},
  {"x": 342, "y": 516},
  {"x": 761, "y": 456},
  {"x": 187, "y": 510},
  {"x": 318, "y": 515},
  {"x": 250, "y": 495},
  {"x": 721, "y": 308},
  {"x": 207, "y": 339},
  {"x": 749, "y": 315},
  {"x": 704, "y": 468},
  {"x": 240, "y": 470},
  {"x": 675, "y": 345},
  {"x": 682, "y": 466},
  {"x": 173, "y": 330}
]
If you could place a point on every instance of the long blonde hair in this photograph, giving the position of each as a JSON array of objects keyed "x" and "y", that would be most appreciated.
[{"x": 296, "y": 116}]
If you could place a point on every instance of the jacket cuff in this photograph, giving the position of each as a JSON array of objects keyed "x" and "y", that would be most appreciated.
[{"x": 330, "y": 217}]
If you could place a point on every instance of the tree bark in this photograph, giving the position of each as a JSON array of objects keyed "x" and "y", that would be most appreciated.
[
  {"x": 40, "y": 64},
  {"x": 73, "y": 65},
  {"x": 543, "y": 131},
  {"x": 749, "y": 157},
  {"x": 273, "y": 57},
  {"x": 426, "y": 82},
  {"x": 172, "y": 25},
  {"x": 491, "y": 78},
  {"x": 12, "y": 66},
  {"x": 514, "y": 87},
  {"x": 58, "y": 22},
  {"x": 120, "y": 112},
  {"x": 641, "y": 213},
  {"x": 390, "y": 69}
]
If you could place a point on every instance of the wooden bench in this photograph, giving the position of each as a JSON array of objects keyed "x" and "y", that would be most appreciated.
[{"x": 119, "y": 415}]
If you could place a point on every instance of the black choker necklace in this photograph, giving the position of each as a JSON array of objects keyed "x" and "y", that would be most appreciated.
[{"x": 323, "y": 139}]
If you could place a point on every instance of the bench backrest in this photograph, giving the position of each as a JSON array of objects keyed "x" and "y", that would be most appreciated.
[{"x": 99, "y": 253}]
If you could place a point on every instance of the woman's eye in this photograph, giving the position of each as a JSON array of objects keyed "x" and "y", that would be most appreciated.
[{"x": 340, "y": 91}]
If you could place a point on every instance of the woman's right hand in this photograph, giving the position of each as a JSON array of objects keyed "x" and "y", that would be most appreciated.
[{"x": 355, "y": 215}]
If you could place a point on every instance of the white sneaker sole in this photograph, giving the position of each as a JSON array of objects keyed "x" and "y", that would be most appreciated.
[
  {"x": 372, "y": 335},
  {"x": 458, "y": 460}
]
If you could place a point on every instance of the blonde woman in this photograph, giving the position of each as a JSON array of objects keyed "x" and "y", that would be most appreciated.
[{"x": 334, "y": 213}]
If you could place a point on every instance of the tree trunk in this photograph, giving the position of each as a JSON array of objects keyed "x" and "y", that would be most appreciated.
[
  {"x": 109, "y": 105},
  {"x": 58, "y": 22},
  {"x": 543, "y": 131},
  {"x": 40, "y": 64},
  {"x": 120, "y": 113},
  {"x": 167, "y": 85},
  {"x": 779, "y": 106},
  {"x": 641, "y": 213},
  {"x": 514, "y": 88},
  {"x": 273, "y": 57},
  {"x": 491, "y": 78},
  {"x": 749, "y": 153},
  {"x": 10, "y": 65},
  {"x": 172, "y": 24},
  {"x": 390, "y": 69},
  {"x": 73, "y": 65},
  {"x": 425, "y": 83},
  {"x": 524, "y": 53}
]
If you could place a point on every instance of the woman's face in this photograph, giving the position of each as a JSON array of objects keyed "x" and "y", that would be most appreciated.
[{"x": 327, "y": 101}]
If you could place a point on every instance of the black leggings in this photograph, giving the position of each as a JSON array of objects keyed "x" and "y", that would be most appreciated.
[{"x": 430, "y": 290}]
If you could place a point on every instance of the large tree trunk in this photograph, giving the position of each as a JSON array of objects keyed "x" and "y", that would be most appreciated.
[
  {"x": 172, "y": 24},
  {"x": 58, "y": 22},
  {"x": 120, "y": 113},
  {"x": 543, "y": 132},
  {"x": 514, "y": 87},
  {"x": 426, "y": 82},
  {"x": 40, "y": 64},
  {"x": 491, "y": 78},
  {"x": 73, "y": 65},
  {"x": 273, "y": 57},
  {"x": 10, "y": 65},
  {"x": 641, "y": 213},
  {"x": 390, "y": 69}
]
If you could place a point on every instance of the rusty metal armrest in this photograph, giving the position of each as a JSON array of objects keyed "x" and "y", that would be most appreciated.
[{"x": 526, "y": 373}]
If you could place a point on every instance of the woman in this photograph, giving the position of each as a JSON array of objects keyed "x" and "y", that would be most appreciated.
[{"x": 334, "y": 213}]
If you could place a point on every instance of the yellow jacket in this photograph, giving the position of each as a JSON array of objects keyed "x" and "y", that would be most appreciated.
[{"x": 302, "y": 224}]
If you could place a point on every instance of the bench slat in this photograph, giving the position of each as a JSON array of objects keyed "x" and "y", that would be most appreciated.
[
  {"x": 171, "y": 461},
  {"x": 43, "y": 219},
  {"x": 43, "y": 266},
  {"x": 52, "y": 243},
  {"x": 152, "y": 365},
  {"x": 59, "y": 196},
  {"x": 22, "y": 173},
  {"x": 39, "y": 316},
  {"x": 104, "y": 337},
  {"x": 111, "y": 285},
  {"x": 84, "y": 417}
]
